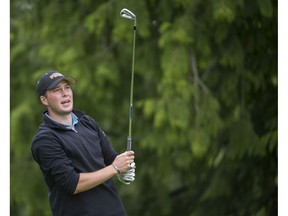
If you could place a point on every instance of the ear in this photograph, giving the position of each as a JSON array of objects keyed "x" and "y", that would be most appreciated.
[{"x": 43, "y": 100}]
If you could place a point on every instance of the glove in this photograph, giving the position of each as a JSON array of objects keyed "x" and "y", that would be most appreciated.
[{"x": 128, "y": 176}]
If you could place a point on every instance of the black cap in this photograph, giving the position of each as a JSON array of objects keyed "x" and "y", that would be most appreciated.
[{"x": 50, "y": 80}]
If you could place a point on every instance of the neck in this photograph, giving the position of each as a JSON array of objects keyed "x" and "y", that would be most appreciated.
[{"x": 65, "y": 119}]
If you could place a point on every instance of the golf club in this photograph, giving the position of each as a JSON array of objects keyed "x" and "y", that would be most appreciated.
[{"x": 125, "y": 13}]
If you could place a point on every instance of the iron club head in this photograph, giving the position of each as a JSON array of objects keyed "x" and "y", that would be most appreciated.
[{"x": 127, "y": 14}]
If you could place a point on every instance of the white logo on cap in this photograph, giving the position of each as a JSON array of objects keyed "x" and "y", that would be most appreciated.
[{"x": 54, "y": 75}]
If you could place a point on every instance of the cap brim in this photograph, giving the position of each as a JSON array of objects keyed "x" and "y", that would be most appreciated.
[{"x": 70, "y": 80}]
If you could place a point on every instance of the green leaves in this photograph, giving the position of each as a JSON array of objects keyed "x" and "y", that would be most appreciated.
[
  {"x": 243, "y": 140},
  {"x": 233, "y": 54},
  {"x": 177, "y": 35},
  {"x": 222, "y": 12},
  {"x": 266, "y": 8},
  {"x": 95, "y": 22}
]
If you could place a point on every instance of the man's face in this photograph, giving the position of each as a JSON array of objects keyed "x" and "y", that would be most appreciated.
[{"x": 59, "y": 101}]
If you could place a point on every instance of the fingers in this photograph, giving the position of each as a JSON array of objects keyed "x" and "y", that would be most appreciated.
[
  {"x": 129, "y": 156},
  {"x": 127, "y": 177},
  {"x": 129, "y": 153},
  {"x": 132, "y": 165},
  {"x": 125, "y": 161}
]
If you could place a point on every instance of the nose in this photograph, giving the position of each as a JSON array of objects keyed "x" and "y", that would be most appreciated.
[{"x": 64, "y": 91}]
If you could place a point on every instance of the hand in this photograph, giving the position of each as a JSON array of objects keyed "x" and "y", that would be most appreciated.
[
  {"x": 128, "y": 176},
  {"x": 124, "y": 161}
]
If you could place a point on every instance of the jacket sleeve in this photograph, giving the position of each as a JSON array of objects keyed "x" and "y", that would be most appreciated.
[
  {"x": 107, "y": 150},
  {"x": 54, "y": 163}
]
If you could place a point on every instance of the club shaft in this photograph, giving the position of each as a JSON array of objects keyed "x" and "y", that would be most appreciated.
[{"x": 129, "y": 139}]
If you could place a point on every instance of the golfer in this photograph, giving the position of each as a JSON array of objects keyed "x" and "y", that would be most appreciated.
[{"x": 75, "y": 156}]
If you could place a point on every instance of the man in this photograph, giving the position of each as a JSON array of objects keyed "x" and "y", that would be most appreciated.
[{"x": 75, "y": 156}]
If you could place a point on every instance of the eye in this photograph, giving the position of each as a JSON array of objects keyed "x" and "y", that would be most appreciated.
[{"x": 56, "y": 89}]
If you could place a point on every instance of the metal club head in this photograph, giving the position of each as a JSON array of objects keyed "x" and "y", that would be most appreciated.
[{"x": 127, "y": 14}]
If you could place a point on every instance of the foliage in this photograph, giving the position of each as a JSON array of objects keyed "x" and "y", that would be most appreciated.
[{"x": 205, "y": 119}]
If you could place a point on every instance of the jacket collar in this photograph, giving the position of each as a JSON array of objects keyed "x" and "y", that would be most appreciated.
[{"x": 54, "y": 124}]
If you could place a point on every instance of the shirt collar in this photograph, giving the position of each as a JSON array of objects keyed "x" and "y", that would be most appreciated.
[{"x": 74, "y": 121}]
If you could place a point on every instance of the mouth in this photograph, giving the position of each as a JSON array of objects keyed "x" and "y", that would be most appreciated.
[{"x": 65, "y": 102}]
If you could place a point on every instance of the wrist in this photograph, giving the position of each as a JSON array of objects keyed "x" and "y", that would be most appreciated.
[{"x": 116, "y": 168}]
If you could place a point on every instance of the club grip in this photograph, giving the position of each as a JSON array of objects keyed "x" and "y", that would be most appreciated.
[{"x": 129, "y": 143}]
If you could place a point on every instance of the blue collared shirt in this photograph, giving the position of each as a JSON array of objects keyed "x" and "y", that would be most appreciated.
[{"x": 74, "y": 121}]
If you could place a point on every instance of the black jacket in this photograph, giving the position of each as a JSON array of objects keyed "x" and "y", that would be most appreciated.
[{"x": 64, "y": 153}]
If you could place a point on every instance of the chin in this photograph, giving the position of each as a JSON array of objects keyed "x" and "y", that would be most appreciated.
[
  {"x": 67, "y": 110},
  {"x": 70, "y": 109}
]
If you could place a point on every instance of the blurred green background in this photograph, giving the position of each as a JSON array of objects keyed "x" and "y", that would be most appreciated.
[{"x": 205, "y": 98}]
